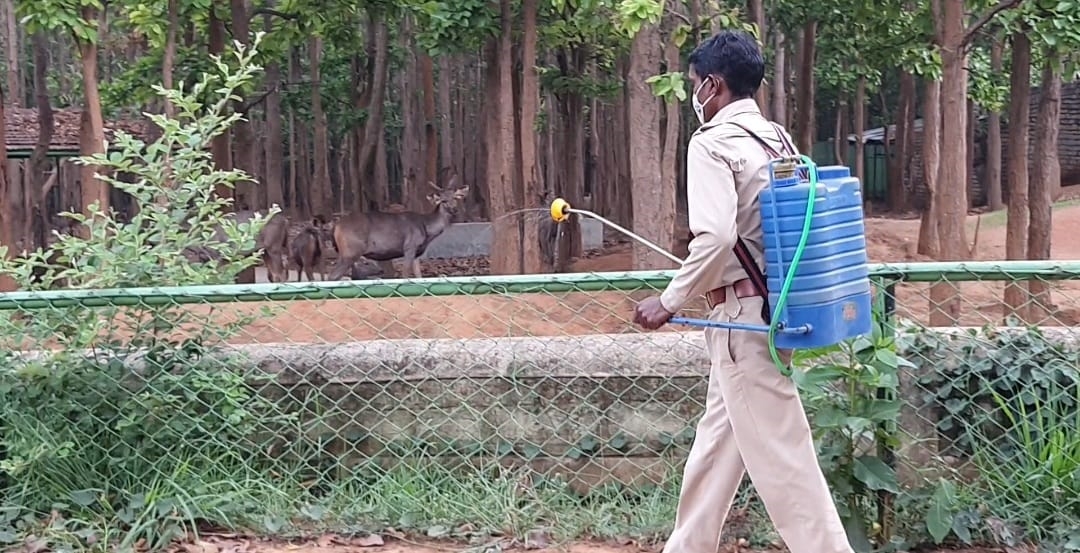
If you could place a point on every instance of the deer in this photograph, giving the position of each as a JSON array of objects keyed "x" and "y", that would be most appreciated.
[
  {"x": 305, "y": 252},
  {"x": 380, "y": 236},
  {"x": 272, "y": 240}
]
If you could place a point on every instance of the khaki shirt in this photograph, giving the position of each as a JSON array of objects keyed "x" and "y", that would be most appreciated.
[{"x": 726, "y": 170}]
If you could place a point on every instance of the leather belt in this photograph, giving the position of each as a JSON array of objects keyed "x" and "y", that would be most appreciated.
[{"x": 742, "y": 288}]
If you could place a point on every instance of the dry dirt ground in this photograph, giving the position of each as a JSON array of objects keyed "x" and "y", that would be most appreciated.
[
  {"x": 338, "y": 544},
  {"x": 889, "y": 240}
]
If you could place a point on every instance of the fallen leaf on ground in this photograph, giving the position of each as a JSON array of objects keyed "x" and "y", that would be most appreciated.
[
  {"x": 370, "y": 540},
  {"x": 201, "y": 547}
]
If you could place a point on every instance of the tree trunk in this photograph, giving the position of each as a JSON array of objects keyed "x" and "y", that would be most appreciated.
[
  {"x": 670, "y": 143},
  {"x": 506, "y": 256},
  {"x": 1046, "y": 174},
  {"x": 14, "y": 76},
  {"x": 414, "y": 185},
  {"x": 858, "y": 120},
  {"x": 7, "y": 223},
  {"x": 219, "y": 146},
  {"x": 320, "y": 186},
  {"x": 756, "y": 10},
  {"x": 993, "y": 134},
  {"x": 93, "y": 141},
  {"x": 653, "y": 205},
  {"x": 446, "y": 138},
  {"x": 431, "y": 135},
  {"x": 36, "y": 213},
  {"x": 779, "y": 85},
  {"x": 952, "y": 205},
  {"x": 839, "y": 136},
  {"x": 372, "y": 137},
  {"x": 928, "y": 239},
  {"x": 532, "y": 261},
  {"x": 898, "y": 167},
  {"x": 1016, "y": 230},
  {"x": 243, "y": 137},
  {"x": 804, "y": 106},
  {"x": 169, "y": 57},
  {"x": 275, "y": 153}
]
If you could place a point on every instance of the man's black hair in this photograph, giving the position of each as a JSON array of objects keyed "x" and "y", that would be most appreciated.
[{"x": 733, "y": 56}]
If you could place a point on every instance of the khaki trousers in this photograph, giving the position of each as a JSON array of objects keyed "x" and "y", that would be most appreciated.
[{"x": 753, "y": 423}]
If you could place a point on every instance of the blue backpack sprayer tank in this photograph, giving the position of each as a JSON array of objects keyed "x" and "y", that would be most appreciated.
[{"x": 816, "y": 275}]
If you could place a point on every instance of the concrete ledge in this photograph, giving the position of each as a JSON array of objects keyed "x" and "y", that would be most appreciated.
[
  {"x": 474, "y": 239},
  {"x": 525, "y": 401}
]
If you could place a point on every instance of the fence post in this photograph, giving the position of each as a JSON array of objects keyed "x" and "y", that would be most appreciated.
[{"x": 885, "y": 304}]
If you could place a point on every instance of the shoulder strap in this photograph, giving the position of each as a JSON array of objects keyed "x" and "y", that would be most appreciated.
[{"x": 742, "y": 253}]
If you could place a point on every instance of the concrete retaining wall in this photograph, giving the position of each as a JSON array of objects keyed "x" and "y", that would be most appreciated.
[
  {"x": 474, "y": 239},
  {"x": 629, "y": 399}
]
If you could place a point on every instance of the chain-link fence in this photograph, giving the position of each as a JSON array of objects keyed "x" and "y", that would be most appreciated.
[{"x": 526, "y": 405}]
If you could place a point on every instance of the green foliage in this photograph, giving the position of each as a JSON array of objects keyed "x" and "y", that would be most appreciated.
[
  {"x": 1033, "y": 472},
  {"x": 669, "y": 86},
  {"x": 59, "y": 15},
  {"x": 634, "y": 14},
  {"x": 140, "y": 425},
  {"x": 850, "y": 394},
  {"x": 962, "y": 375}
]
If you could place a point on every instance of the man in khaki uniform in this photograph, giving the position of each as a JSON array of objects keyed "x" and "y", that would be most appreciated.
[{"x": 754, "y": 420}]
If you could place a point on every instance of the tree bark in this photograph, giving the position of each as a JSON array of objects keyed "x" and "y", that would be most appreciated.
[
  {"x": 243, "y": 137},
  {"x": 1046, "y": 175},
  {"x": 35, "y": 213},
  {"x": 670, "y": 143},
  {"x": 804, "y": 97},
  {"x": 653, "y": 205},
  {"x": 446, "y": 138},
  {"x": 219, "y": 146},
  {"x": 993, "y": 134},
  {"x": 501, "y": 148},
  {"x": 93, "y": 190},
  {"x": 1016, "y": 230},
  {"x": 275, "y": 152},
  {"x": 532, "y": 261},
  {"x": 905, "y": 117},
  {"x": 431, "y": 135},
  {"x": 858, "y": 120},
  {"x": 14, "y": 75},
  {"x": 928, "y": 239},
  {"x": 952, "y": 208},
  {"x": 756, "y": 10},
  {"x": 369, "y": 172},
  {"x": 779, "y": 85},
  {"x": 169, "y": 57},
  {"x": 7, "y": 223},
  {"x": 320, "y": 187}
]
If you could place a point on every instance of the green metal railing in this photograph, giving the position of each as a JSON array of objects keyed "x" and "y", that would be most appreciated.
[{"x": 298, "y": 408}]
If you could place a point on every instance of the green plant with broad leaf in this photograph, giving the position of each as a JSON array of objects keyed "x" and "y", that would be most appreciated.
[{"x": 850, "y": 393}]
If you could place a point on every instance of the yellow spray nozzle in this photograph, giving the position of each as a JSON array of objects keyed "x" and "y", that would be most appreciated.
[{"x": 560, "y": 210}]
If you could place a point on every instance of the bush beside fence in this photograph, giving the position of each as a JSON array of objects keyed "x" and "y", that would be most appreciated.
[{"x": 135, "y": 414}]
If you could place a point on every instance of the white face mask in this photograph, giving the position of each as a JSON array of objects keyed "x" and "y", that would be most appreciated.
[{"x": 699, "y": 106}]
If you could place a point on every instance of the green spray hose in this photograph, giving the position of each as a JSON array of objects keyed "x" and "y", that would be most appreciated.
[{"x": 781, "y": 301}]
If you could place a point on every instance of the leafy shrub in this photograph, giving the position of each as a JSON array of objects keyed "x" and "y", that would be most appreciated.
[
  {"x": 965, "y": 375},
  {"x": 849, "y": 391},
  {"x": 140, "y": 421}
]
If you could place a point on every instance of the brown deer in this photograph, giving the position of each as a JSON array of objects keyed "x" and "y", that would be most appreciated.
[
  {"x": 305, "y": 252},
  {"x": 272, "y": 240},
  {"x": 381, "y": 236}
]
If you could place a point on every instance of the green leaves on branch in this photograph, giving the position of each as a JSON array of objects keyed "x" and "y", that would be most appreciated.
[
  {"x": 59, "y": 15},
  {"x": 634, "y": 14},
  {"x": 669, "y": 86}
]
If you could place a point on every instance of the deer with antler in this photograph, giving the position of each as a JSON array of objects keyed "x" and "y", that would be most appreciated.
[{"x": 381, "y": 236}]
